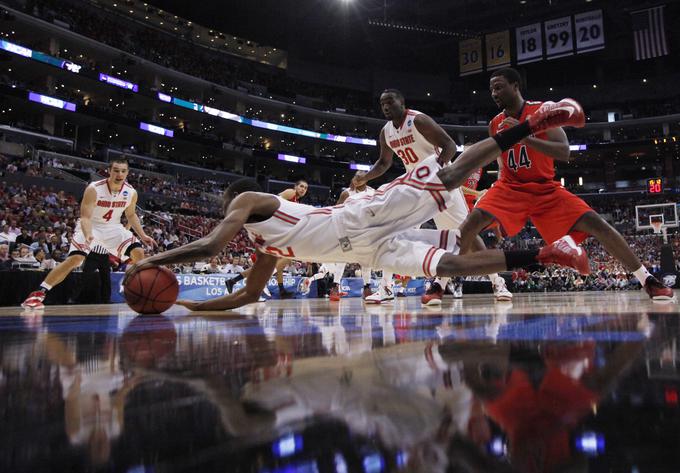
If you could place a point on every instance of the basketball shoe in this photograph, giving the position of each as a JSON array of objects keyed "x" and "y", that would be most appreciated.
[
  {"x": 657, "y": 291},
  {"x": 367, "y": 291},
  {"x": 34, "y": 300},
  {"x": 335, "y": 293},
  {"x": 433, "y": 296},
  {"x": 566, "y": 112},
  {"x": 565, "y": 252},
  {"x": 382, "y": 296},
  {"x": 500, "y": 290}
]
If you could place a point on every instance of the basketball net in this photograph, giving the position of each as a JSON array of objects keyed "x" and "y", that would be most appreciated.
[{"x": 658, "y": 228}]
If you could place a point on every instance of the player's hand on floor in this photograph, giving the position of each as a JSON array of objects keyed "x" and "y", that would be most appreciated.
[{"x": 191, "y": 305}]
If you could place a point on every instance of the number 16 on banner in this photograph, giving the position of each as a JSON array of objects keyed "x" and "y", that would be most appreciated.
[{"x": 498, "y": 50}]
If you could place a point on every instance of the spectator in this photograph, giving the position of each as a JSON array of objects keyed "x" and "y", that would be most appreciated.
[
  {"x": 6, "y": 236},
  {"x": 24, "y": 238}
]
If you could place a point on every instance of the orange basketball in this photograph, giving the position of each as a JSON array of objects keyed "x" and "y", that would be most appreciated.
[{"x": 151, "y": 290}]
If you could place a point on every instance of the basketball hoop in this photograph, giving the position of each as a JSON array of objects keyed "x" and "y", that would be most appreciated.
[{"x": 656, "y": 226}]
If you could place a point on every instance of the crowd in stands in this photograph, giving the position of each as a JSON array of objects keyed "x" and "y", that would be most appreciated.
[{"x": 36, "y": 224}]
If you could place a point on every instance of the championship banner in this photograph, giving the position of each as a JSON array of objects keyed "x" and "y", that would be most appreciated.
[
  {"x": 589, "y": 31},
  {"x": 470, "y": 56},
  {"x": 498, "y": 50},
  {"x": 529, "y": 42},
  {"x": 201, "y": 287},
  {"x": 559, "y": 39}
]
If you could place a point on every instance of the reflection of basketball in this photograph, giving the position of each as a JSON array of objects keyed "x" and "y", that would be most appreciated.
[
  {"x": 146, "y": 340},
  {"x": 151, "y": 290}
]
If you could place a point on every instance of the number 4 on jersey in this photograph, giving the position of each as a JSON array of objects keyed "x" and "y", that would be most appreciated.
[
  {"x": 107, "y": 216},
  {"x": 524, "y": 161}
]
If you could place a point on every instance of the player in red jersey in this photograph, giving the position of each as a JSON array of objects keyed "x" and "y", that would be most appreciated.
[{"x": 526, "y": 189}]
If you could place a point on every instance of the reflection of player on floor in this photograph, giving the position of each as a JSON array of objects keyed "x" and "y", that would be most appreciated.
[
  {"x": 414, "y": 136},
  {"x": 526, "y": 189},
  {"x": 377, "y": 231},
  {"x": 101, "y": 209}
]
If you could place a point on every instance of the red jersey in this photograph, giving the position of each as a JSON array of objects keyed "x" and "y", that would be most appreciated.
[{"x": 522, "y": 164}]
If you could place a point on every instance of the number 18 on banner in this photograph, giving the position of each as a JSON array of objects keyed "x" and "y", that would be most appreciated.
[
  {"x": 529, "y": 43},
  {"x": 498, "y": 50}
]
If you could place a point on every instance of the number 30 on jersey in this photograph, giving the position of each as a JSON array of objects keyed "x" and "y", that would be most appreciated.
[{"x": 523, "y": 158}]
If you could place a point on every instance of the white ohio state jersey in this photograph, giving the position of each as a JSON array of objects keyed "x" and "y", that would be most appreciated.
[
  {"x": 109, "y": 206},
  {"x": 353, "y": 193},
  {"x": 407, "y": 142}
]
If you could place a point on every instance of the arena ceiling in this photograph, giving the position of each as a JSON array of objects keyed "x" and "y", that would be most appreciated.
[{"x": 362, "y": 32}]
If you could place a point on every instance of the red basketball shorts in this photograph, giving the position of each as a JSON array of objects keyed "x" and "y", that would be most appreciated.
[{"x": 552, "y": 209}]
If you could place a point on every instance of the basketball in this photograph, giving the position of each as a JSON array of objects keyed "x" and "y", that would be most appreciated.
[{"x": 152, "y": 290}]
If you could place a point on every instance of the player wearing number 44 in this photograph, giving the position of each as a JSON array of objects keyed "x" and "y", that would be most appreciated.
[
  {"x": 104, "y": 203},
  {"x": 526, "y": 189}
]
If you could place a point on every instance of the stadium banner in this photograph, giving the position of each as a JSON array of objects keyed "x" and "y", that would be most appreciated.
[
  {"x": 529, "y": 42},
  {"x": 559, "y": 38},
  {"x": 202, "y": 287},
  {"x": 470, "y": 56},
  {"x": 589, "y": 31},
  {"x": 498, "y": 52}
]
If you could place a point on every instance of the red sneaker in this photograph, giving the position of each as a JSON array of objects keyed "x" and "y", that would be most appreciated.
[
  {"x": 34, "y": 300},
  {"x": 566, "y": 112},
  {"x": 335, "y": 294},
  {"x": 565, "y": 252},
  {"x": 433, "y": 296},
  {"x": 657, "y": 291}
]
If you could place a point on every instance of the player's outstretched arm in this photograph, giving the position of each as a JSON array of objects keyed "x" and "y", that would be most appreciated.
[
  {"x": 136, "y": 224},
  {"x": 436, "y": 136},
  {"x": 556, "y": 145},
  {"x": 383, "y": 163},
  {"x": 255, "y": 284},
  {"x": 86, "y": 209},
  {"x": 211, "y": 244}
]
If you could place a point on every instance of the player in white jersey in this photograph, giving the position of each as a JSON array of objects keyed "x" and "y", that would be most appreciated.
[
  {"x": 413, "y": 136},
  {"x": 384, "y": 293},
  {"x": 104, "y": 203},
  {"x": 379, "y": 230}
]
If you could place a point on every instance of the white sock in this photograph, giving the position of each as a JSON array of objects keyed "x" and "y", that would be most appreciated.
[
  {"x": 45, "y": 286},
  {"x": 493, "y": 277},
  {"x": 642, "y": 274}
]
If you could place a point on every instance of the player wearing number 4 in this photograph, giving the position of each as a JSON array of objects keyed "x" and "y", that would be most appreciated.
[
  {"x": 414, "y": 136},
  {"x": 526, "y": 189},
  {"x": 104, "y": 203},
  {"x": 379, "y": 230}
]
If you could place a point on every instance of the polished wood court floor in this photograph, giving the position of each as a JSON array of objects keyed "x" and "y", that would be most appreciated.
[{"x": 548, "y": 383}]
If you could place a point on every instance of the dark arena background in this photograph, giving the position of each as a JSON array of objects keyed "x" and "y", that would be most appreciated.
[{"x": 335, "y": 368}]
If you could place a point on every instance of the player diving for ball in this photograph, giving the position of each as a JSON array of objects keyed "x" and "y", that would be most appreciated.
[{"x": 378, "y": 231}]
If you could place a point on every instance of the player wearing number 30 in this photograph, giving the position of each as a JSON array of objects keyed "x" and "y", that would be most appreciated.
[{"x": 101, "y": 209}]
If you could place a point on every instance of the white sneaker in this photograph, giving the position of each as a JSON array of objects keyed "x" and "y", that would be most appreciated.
[
  {"x": 266, "y": 292},
  {"x": 458, "y": 290},
  {"x": 500, "y": 291},
  {"x": 383, "y": 295}
]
